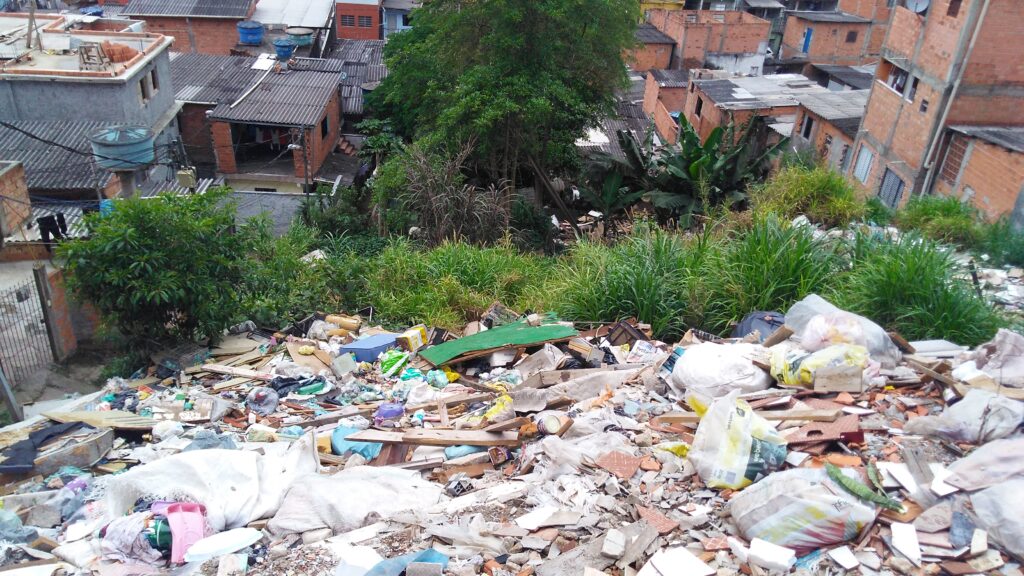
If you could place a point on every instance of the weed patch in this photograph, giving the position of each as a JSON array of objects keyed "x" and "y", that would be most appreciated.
[{"x": 821, "y": 194}]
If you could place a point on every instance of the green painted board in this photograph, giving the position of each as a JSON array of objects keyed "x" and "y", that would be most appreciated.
[{"x": 518, "y": 334}]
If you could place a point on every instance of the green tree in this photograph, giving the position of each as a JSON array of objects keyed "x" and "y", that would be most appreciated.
[
  {"x": 161, "y": 268},
  {"x": 523, "y": 79}
]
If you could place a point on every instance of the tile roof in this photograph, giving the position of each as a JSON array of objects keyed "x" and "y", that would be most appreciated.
[
  {"x": 49, "y": 167},
  {"x": 837, "y": 17},
  {"x": 293, "y": 98},
  {"x": 193, "y": 8},
  {"x": 649, "y": 34},
  {"x": 672, "y": 78},
  {"x": 1009, "y": 137}
]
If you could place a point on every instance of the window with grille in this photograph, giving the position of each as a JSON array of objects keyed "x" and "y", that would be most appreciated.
[
  {"x": 348, "y": 20},
  {"x": 365, "y": 22},
  {"x": 891, "y": 191},
  {"x": 954, "y": 158},
  {"x": 863, "y": 168}
]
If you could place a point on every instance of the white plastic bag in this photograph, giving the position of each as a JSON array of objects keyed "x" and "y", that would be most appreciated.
[
  {"x": 981, "y": 417},
  {"x": 796, "y": 367},
  {"x": 734, "y": 447},
  {"x": 1002, "y": 358},
  {"x": 714, "y": 370},
  {"x": 879, "y": 344},
  {"x": 826, "y": 330},
  {"x": 1000, "y": 511},
  {"x": 802, "y": 509}
]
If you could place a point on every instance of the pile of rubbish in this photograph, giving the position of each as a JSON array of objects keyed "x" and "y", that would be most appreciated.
[{"x": 809, "y": 442}]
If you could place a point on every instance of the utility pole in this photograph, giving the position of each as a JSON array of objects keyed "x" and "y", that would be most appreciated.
[{"x": 305, "y": 161}]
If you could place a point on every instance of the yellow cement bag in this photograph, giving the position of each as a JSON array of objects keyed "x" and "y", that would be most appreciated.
[
  {"x": 796, "y": 367},
  {"x": 734, "y": 447}
]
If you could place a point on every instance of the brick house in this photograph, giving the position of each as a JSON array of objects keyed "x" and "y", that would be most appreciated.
[
  {"x": 653, "y": 50},
  {"x": 665, "y": 96},
  {"x": 826, "y": 38},
  {"x": 827, "y": 123},
  {"x": 954, "y": 63},
  {"x": 359, "y": 19},
  {"x": 728, "y": 40},
  {"x": 277, "y": 137},
  {"x": 984, "y": 165},
  {"x": 717, "y": 101},
  {"x": 203, "y": 26},
  {"x": 14, "y": 204}
]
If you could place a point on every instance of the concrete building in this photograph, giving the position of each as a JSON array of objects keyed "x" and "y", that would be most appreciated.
[
  {"x": 654, "y": 49},
  {"x": 359, "y": 19},
  {"x": 827, "y": 125},
  {"x": 953, "y": 63},
  {"x": 397, "y": 15},
  {"x": 664, "y": 100},
  {"x": 734, "y": 41},
  {"x": 203, "y": 26},
  {"x": 717, "y": 101},
  {"x": 81, "y": 75}
]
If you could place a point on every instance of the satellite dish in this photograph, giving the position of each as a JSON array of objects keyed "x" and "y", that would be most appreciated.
[{"x": 918, "y": 6}]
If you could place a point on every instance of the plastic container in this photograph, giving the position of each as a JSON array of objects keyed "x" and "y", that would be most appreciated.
[
  {"x": 250, "y": 33},
  {"x": 188, "y": 526},
  {"x": 301, "y": 36},
  {"x": 284, "y": 48},
  {"x": 388, "y": 414},
  {"x": 367, "y": 349},
  {"x": 123, "y": 147}
]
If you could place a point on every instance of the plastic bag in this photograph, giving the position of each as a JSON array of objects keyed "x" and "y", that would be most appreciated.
[
  {"x": 340, "y": 446},
  {"x": 826, "y": 330},
  {"x": 392, "y": 361},
  {"x": 716, "y": 369},
  {"x": 734, "y": 447},
  {"x": 1002, "y": 358},
  {"x": 877, "y": 341},
  {"x": 981, "y": 417},
  {"x": 802, "y": 509},
  {"x": 796, "y": 367},
  {"x": 262, "y": 400},
  {"x": 1000, "y": 511}
]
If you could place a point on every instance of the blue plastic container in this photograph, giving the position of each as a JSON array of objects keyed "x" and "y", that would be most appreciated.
[
  {"x": 367, "y": 349},
  {"x": 250, "y": 32},
  {"x": 92, "y": 10},
  {"x": 123, "y": 147},
  {"x": 284, "y": 48},
  {"x": 301, "y": 36}
]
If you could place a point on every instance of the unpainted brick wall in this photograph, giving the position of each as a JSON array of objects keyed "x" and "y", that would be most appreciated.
[
  {"x": 356, "y": 10},
  {"x": 14, "y": 203},
  {"x": 994, "y": 174},
  {"x": 739, "y": 33},
  {"x": 60, "y": 314},
  {"x": 214, "y": 36},
  {"x": 649, "y": 57}
]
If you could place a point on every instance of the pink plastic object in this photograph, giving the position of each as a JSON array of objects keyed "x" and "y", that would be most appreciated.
[{"x": 188, "y": 526}]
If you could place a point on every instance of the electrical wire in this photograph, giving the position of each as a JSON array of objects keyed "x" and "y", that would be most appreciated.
[{"x": 44, "y": 140}]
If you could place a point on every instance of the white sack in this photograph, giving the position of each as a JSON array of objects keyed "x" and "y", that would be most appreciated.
[{"x": 714, "y": 370}]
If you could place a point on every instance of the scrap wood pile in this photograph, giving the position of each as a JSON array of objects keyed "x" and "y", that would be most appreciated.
[{"x": 812, "y": 442}]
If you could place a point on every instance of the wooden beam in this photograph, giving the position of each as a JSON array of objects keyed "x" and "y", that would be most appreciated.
[
  {"x": 777, "y": 415},
  {"x": 237, "y": 372},
  {"x": 426, "y": 437}
]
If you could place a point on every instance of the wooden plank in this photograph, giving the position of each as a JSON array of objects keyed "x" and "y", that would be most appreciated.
[
  {"x": 117, "y": 419},
  {"x": 309, "y": 361},
  {"x": 143, "y": 382},
  {"x": 424, "y": 437},
  {"x": 806, "y": 415},
  {"x": 512, "y": 424},
  {"x": 237, "y": 372},
  {"x": 781, "y": 334},
  {"x": 244, "y": 358},
  {"x": 450, "y": 401},
  {"x": 1014, "y": 393},
  {"x": 230, "y": 383},
  {"x": 552, "y": 377},
  {"x": 234, "y": 348},
  {"x": 839, "y": 379}
]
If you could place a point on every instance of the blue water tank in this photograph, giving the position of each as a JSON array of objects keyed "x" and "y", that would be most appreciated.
[
  {"x": 284, "y": 48},
  {"x": 123, "y": 147},
  {"x": 250, "y": 32},
  {"x": 92, "y": 10},
  {"x": 301, "y": 36}
]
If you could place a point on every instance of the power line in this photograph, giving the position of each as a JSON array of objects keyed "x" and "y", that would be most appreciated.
[{"x": 10, "y": 126}]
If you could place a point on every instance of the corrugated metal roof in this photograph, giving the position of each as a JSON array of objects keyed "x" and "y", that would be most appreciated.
[
  {"x": 363, "y": 62},
  {"x": 649, "y": 34},
  {"x": 1009, "y": 137},
  {"x": 365, "y": 51},
  {"x": 755, "y": 92},
  {"x": 837, "y": 17},
  {"x": 672, "y": 78},
  {"x": 771, "y": 4},
  {"x": 849, "y": 75},
  {"x": 305, "y": 13},
  {"x": 49, "y": 167},
  {"x": 836, "y": 105},
  {"x": 194, "y": 8}
]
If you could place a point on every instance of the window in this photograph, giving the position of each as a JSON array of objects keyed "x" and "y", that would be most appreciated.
[
  {"x": 718, "y": 17},
  {"x": 365, "y": 22},
  {"x": 924, "y": 104},
  {"x": 325, "y": 126},
  {"x": 691, "y": 18},
  {"x": 954, "y": 8},
  {"x": 406, "y": 21},
  {"x": 891, "y": 191},
  {"x": 258, "y": 189},
  {"x": 808, "y": 126},
  {"x": 912, "y": 91},
  {"x": 844, "y": 158},
  {"x": 348, "y": 20},
  {"x": 897, "y": 79},
  {"x": 700, "y": 106},
  {"x": 691, "y": 87},
  {"x": 153, "y": 80},
  {"x": 144, "y": 89},
  {"x": 863, "y": 168},
  {"x": 851, "y": 36}
]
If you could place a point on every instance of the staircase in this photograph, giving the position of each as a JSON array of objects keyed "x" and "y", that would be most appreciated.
[{"x": 346, "y": 147}]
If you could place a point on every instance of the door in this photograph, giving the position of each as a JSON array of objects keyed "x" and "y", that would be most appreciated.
[{"x": 808, "y": 33}]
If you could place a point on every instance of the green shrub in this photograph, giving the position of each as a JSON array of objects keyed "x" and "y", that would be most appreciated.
[
  {"x": 876, "y": 212},
  {"x": 909, "y": 285},
  {"x": 1001, "y": 242},
  {"x": 163, "y": 268},
  {"x": 648, "y": 275},
  {"x": 531, "y": 227},
  {"x": 940, "y": 218},
  {"x": 821, "y": 194},
  {"x": 768, "y": 267},
  {"x": 342, "y": 212}
]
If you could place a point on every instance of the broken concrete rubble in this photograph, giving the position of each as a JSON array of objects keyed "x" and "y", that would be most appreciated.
[{"x": 529, "y": 450}]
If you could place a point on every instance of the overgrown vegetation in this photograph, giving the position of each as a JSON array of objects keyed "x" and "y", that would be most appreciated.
[
  {"x": 943, "y": 219},
  {"x": 821, "y": 194}
]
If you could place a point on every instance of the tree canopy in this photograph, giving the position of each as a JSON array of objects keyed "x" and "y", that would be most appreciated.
[{"x": 520, "y": 79}]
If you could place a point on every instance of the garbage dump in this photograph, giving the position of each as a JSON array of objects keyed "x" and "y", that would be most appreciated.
[{"x": 527, "y": 445}]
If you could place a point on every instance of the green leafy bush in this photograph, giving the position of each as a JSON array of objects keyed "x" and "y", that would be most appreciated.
[
  {"x": 821, "y": 194},
  {"x": 945, "y": 219},
  {"x": 909, "y": 285},
  {"x": 163, "y": 268},
  {"x": 876, "y": 212},
  {"x": 768, "y": 267},
  {"x": 1001, "y": 242},
  {"x": 335, "y": 214}
]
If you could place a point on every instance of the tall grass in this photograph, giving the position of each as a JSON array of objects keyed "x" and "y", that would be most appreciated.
[
  {"x": 768, "y": 267},
  {"x": 945, "y": 219},
  {"x": 821, "y": 194},
  {"x": 1001, "y": 242},
  {"x": 909, "y": 285}
]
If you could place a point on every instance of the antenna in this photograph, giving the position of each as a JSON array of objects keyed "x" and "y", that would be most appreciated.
[{"x": 919, "y": 6}]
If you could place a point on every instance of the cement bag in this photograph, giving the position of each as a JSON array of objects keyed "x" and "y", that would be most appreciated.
[
  {"x": 876, "y": 339},
  {"x": 734, "y": 447},
  {"x": 796, "y": 367},
  {"x": 802, "y": 509},
  {"x": 1000, "y": 511},
  {"x": 1002, "y": 358},
  {"x": 980, "y": 417},
  {"x": 826, "y": 330},
  {"x": 714, "y": 370},
  {"x": 991, "y": 464}
]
